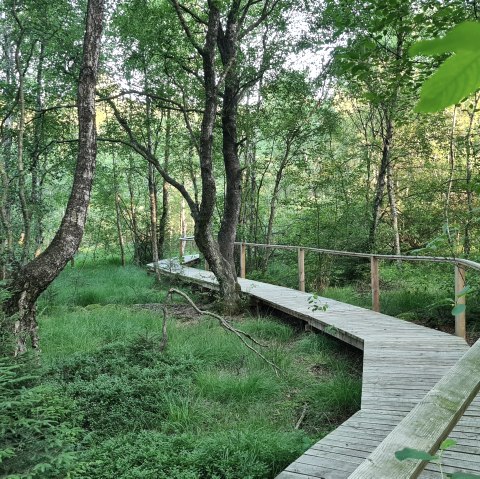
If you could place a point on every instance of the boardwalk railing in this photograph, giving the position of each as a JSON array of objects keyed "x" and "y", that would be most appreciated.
[{"x": 460, "y": 266}]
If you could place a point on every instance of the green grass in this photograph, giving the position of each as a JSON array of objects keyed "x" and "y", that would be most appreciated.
[
  {"x": 87, "y": 284},
  {"x": 206, "y": 407}
]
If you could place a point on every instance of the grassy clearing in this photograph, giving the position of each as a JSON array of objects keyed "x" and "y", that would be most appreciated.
[{"x": 206, "y": 407}]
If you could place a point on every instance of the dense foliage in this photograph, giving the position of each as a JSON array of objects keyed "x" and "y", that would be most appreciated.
[
  {"x": 108, "y": 403},
  {"x": 272, "y": 121}
]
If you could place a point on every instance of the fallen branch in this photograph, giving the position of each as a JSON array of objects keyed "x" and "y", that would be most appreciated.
[
  {"x": 224, "y": 323},
  {"x": 302, "y": 417}
]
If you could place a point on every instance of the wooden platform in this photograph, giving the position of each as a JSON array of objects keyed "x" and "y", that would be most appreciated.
[{"x": 402, "y": 362}]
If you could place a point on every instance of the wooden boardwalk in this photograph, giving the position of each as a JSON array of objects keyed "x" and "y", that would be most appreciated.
[{"x": 402, "y": 362}]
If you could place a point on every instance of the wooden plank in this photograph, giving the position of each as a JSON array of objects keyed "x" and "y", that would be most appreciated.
[
  {"x": 301, "y": 269},
  {"x": 428, "y": 423},
  {"x": 243, "y": 260},
  {"x": 375, "y": 282}
]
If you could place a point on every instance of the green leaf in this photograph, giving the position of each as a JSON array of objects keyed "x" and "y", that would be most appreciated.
[
  {"x": 462, "y": 38},
  {"x": 408, "y": 453},
  {"x": 447, "y": 443},
  {"x": 464, "y": 291},
  {"x": 458, "y": 309},
  {"x": 457, "y": 77}
]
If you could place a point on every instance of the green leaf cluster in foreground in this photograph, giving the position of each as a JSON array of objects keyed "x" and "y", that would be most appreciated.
[{"x": 459, "y": 75}]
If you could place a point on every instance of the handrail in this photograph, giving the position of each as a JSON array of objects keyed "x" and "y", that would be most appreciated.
[
  {"x": 428, "y": 423},
  {"x": 459, "y": 263},
  {"x": 393, "y": 257}
]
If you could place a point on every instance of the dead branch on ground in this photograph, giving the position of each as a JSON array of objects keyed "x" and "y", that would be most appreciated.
[{"x": 225, "y": 324}]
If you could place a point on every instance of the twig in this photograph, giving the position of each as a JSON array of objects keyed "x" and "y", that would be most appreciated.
[
  {"x": 302, "y": 417},
  {"x": 163, "y": 342},
  {"x": 223, "y": 322}
]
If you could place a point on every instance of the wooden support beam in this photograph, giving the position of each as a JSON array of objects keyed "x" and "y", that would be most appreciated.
[
  {"x": 460, "y": 318},
  {"x": 243, "y": 250},
  {"x": 301, "y": 269},
  {"x": 375, "y": 281}
]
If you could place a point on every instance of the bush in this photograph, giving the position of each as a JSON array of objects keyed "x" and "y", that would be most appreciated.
[
  {"x": 38, "y": 425},
  {"x": 240, "y": 454},
  {"x": 121, "y": 387}
]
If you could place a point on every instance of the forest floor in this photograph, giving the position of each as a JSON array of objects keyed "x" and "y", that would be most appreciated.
[{"x": 114, "y": 406}]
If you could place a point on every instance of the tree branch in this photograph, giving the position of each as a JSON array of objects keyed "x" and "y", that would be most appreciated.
[
  {"x": 150, "y": 157},
  {"x": 225, "y": 324},
  {"x": 186, "y": 29}
]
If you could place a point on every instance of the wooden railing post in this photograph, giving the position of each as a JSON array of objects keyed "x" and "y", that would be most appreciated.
[
  {"x": 207, "y": 268},
  {"x": 301, "y": 269},
  {"x": 460, "y": 318},
  {"x": 243, "y": 250},
  {"x": 375, "y": 276}
]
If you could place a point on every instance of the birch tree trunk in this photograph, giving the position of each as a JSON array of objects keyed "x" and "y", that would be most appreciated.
[
  {"x": 33, "y": 278},
  {"x": 24, "y": 206}
]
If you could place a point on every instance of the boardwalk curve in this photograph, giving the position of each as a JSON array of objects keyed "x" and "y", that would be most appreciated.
[{"x": 402, "y": 363}]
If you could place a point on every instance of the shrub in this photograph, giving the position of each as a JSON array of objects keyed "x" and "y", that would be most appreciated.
[
  {"x": 38, "y": 425},
  {"x": 239, "y": 454}
]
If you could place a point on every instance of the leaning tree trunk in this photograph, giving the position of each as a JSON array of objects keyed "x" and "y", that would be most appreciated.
[{"x": 31, "y": 280}]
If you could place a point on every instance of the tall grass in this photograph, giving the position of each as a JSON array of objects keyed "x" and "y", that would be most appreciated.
[
  {"x": 87, "y": 284},
  {"x": 206, "y": 406}
]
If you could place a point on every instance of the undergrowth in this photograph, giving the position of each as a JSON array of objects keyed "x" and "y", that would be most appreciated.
[{"x": 206, "y": 407}]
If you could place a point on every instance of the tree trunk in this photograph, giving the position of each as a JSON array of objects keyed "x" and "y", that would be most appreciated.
[
  {"x": 219, "y": 254},
  {"x": 152, "y": 196},
  {"x": 228, "y": 46},
  {"x": 451, "y": 160},
  {"x": 381, "y": 179},
  {"x": 165, "y": 195},
  {"x": 118, "y": 215},
  {"x": 393, "y": 207},
  {"x": 24, "y": 207},
  {"x": 274, "y": 200},
  {"x": 5, "y": 219},
  {"x": 152, "y": 190},
  {"x": 183, "y": 227},
  {"x": 35, "y": 276},
  {"x": 133, "y": 216},
  {"x": 36, "y": 190}
]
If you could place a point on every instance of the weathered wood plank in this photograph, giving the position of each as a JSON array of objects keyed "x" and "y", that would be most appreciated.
[
  {"x": 402, "y": 362},
  {"x": 428, "y": 423}
]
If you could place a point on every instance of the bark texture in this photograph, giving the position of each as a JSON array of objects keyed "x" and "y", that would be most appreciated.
[{"x": 32, "y": 279}]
